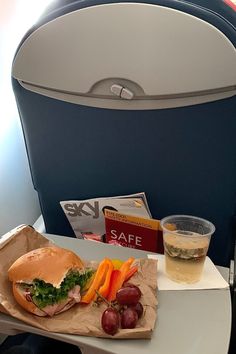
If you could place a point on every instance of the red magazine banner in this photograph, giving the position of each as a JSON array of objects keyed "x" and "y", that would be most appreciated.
[{"x": 133, "y": 231}]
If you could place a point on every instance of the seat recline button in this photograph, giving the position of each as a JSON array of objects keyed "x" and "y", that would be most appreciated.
[
  {"x": 116, "y": 89},
  {"x": 126, "y": 94}
]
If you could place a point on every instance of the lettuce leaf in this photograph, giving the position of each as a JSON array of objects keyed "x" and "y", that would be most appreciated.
[{"x": 44, "y": 294}]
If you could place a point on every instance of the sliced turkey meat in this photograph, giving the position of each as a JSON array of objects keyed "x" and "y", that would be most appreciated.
[
  {"x": 73, "y": 297},
  {"x": 75, "y": 293}
]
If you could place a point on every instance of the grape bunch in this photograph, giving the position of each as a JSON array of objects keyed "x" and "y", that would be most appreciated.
[{"x": 128, "y": 312}]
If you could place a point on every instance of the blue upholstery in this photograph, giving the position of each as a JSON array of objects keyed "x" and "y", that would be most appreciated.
[{"x": 183, "y": 158}]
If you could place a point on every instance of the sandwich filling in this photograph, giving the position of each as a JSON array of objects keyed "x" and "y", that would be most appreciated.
[{"x": 52, "y": 300}]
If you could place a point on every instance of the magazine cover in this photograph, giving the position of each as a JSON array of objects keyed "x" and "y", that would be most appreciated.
[
  {"x": 86, "y": 217},
  {"x": 133, "y": 231}
]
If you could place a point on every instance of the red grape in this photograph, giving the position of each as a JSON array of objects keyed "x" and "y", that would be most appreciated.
[
  {"x": 129, "y": 318},
  {"x": 128, "y": 295},
  {"x": 138, "y": 308},
  {"x": 110, "y": 321}
]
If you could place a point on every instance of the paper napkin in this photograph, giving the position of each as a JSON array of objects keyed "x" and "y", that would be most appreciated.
[{"x": 211, "y": 277}]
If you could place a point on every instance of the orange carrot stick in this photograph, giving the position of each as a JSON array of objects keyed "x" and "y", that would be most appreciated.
[
  {"x": 131, "y": 272},
  {"x": 120, "y": 278},
  {"x": 115, "y": 275},
  {"x": 104, "y": 289},
  {"x": 97, "y": 282}
]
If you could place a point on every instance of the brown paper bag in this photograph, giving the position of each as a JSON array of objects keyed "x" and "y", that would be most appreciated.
[{"x": 80, "y": 319}]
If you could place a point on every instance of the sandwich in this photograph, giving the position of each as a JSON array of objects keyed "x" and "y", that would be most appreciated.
[{"x": 48, "y": 280}]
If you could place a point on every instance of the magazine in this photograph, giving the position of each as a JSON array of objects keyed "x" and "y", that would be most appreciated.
[
  {"x": 86, "y": 217},
  {"x": 133, "y": 231}
]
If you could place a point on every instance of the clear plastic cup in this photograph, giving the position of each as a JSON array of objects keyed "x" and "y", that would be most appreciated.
[{"x": 186, "y": 241}]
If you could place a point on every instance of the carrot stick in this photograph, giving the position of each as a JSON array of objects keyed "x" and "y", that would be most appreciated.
[
  {"x": 115, "y": 275},
  {"x": 97, "y": 282},
  {"x": 104, "y": 289},
  {"x": 131, "y": 272},
  {"x": 120, "y": 278}
]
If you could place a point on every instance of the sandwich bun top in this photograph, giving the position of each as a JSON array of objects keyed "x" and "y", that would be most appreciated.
[{"x": 50, "y": 264}]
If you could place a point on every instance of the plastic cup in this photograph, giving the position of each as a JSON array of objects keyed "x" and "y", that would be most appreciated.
[{"x": 186, "y": 241}]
